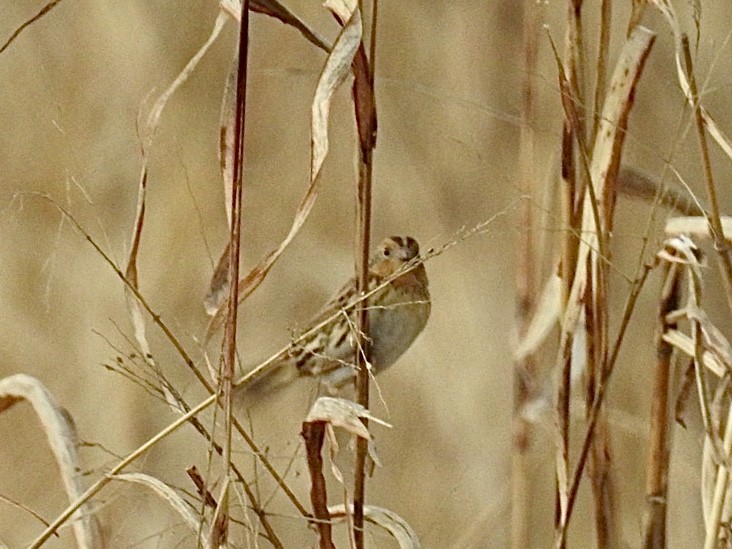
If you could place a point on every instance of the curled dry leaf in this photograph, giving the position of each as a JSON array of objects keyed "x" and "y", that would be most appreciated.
[
  {"x": 363, "y": 87},
  {"x": 61, "y": 434},
  {"x": 337, "y": 68},
  {"x": 148, "y": 132},
  {"x": 171, "y": 497},
  {"x": 605, "y": 161},
  {"x": 343, "y": 413},
  {"x": 681, "y": 249},
  {"x": 597, "y": 214},
  {"x": 346, "y": 414},
  {"x": 138, "y": 324},
  {"x": 713, "y": 351},
  {"x": 668, "y": 12},
  {"x": 220, "y": 283},
  {"x": 227, "y": 129},
  {"x": 684, "y": 391},
  {"x": 399, "y": 528}
]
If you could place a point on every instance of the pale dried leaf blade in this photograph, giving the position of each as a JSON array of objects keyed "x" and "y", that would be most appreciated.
[
  {"x": 61, "y": 434},
  {"x": 342, "y": 8},
  {"x": 343, "y": 413},
  {"x": 715, "y": 483},
  {"x": 333, "y": 448},
  {"x": 373, "y": 454},
  {"x": 545, "y": 318},
  {"x": 220, "y": 281},
  {"x": 148, "y": 133},
  {"x": 604, "y": 165},
  {"x": 399, "y": 528},
  {"x": 131, "y": 270},
  {"x": 578, "y": 368},
  {"x": 255, "y": 277},
  {"x": 562, "y": 472},
  {"x": 337, "y": 68},
  {"x": 140, "y": 330},
  {"x": 337, "y": 412},
  {"x": 153, "y": 117},
  {"x": 697, "y": 226},
  {"x": 226, "y": 135},
  {"x": 170, "y": 496},
  {"x": 685, "y": 246},
  {"x": 138, "y": 323},
  {"x": 708, "y": 478},
  {"x": 714, "y": 130},
  {"x": 685, "y": 251},
  {"x": 606, "y": 159},
  {"x": 616, "y": 108},
  {"x": 671, "y": 258},
  {"x": 685, "y": 344}
]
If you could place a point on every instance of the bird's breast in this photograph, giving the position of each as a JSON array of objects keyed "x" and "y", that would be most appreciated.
[{"x": 395, "y": 321}]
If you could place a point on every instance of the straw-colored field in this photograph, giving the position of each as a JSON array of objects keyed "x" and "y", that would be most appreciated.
[{"x": 77, "y": 86}]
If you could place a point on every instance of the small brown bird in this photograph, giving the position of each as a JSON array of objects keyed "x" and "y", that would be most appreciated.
[{"x": 397, "y": 313}]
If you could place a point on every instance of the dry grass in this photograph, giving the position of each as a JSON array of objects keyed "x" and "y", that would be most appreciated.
[{"x": 514, "y": 147}]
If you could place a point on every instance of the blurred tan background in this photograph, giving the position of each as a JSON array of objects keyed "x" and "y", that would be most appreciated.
[{"x": 448, "y": 91}]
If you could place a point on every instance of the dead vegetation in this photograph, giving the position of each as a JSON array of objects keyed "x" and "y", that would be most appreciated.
[{"x": 591, "y": 289}]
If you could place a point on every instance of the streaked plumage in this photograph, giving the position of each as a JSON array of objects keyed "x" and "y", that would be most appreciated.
[{"x": 398, "y": 312}]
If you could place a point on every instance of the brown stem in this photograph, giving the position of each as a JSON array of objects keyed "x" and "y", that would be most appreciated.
[
  {"x": 313, "y": 432},
  {"x": 362, "y": 358},
  {"x": 229, "y": 362},
  {"x": 599, "y": 399},
  {"x": 573, "y": 137},
  {"x": 601, "y": 65},
  {"x": 654, "y": 519},
  {"x": 365, "y": 110}
]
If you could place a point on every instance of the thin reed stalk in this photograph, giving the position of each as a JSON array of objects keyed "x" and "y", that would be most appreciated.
[
  {"x": 654, "y": 518},
  {"x": 524, "y": 370},
  {"x": 365, "y": 110},
  {"x": 219, "y": 528},
  {"x": 713, "y": 217}
]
